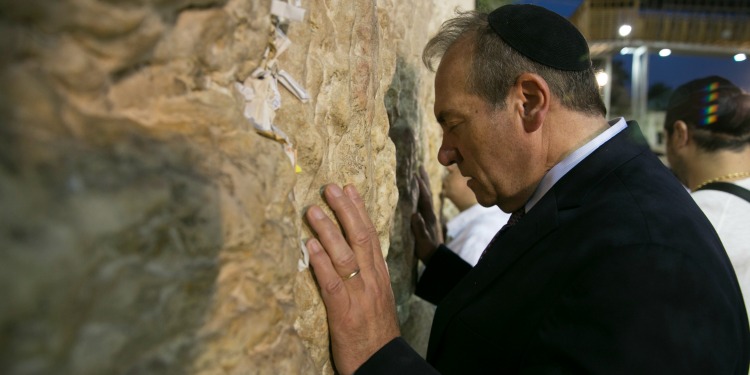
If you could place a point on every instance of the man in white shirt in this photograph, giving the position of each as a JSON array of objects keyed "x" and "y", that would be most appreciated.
[{"x": 708, "y": 142}]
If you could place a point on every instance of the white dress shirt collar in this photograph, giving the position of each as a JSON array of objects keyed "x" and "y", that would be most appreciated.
[{"x": 563, "y": 167}]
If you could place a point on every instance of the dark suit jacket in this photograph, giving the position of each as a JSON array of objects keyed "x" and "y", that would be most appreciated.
[{"x": 614, "y": 271}]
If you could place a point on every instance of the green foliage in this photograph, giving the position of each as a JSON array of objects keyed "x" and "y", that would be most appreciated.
[{"x": 490, "y": 5}]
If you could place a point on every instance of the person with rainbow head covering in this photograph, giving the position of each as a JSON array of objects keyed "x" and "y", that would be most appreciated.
[{"x": 708, "y": 148}]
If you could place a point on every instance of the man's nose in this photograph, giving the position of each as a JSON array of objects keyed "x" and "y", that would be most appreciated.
[{"x": 448, "y": 155}]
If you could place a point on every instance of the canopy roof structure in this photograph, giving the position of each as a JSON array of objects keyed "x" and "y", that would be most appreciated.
[
  {"x": 689, "y": 27},
  {"x": 695, "y": 26}
]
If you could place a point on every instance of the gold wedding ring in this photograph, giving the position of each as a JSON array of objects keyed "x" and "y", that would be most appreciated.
[{"x": 349, "y": 276}]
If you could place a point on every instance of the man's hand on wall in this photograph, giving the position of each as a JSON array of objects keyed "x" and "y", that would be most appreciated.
[
  {"x": 424, "y": 222},
  {"x": 353, "y": 279}
]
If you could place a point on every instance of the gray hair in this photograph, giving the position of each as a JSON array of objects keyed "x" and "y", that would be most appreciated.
[{"x": 495, "y": 66}]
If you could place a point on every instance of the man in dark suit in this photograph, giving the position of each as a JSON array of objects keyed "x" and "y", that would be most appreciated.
[{"x": 609, "y": 268}]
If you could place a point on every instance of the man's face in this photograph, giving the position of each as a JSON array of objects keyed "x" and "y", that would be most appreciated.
[{"x": 487, "y": 144}]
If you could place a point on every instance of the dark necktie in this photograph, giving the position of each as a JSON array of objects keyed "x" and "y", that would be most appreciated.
[{"x": 515, "y": 217}]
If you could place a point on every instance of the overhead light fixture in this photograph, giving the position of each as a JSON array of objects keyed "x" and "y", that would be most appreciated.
[
  {"x": 740, "y": 57},
  {"x": 665, "y": 52},
  {"x": 602, "y": 78},
  {"x": 625, "y": 30}
]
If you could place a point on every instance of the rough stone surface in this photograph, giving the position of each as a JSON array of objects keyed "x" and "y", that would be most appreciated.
[{"x": 146, "y": 228}]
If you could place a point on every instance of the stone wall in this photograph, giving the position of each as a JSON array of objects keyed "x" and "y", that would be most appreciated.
[{"x": 146, "y": 227}]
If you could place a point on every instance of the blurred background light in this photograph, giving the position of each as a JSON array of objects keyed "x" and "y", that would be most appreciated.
[
  {"x": 625, "y": 30},
  {"x": 602, "y": 78}
]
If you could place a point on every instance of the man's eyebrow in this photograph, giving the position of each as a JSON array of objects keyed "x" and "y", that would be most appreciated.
[{"x": 444, "y": 114}]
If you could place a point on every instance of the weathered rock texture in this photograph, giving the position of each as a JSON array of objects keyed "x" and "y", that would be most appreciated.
[{"x": 146, "y": 228}]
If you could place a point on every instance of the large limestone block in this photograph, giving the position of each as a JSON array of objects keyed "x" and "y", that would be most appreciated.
[{"x": 146, "y": 228}]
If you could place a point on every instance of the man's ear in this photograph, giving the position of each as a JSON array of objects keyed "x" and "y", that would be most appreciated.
[
  {"x": 535, "y": 100},
  {"x": 680, "y": 135}
]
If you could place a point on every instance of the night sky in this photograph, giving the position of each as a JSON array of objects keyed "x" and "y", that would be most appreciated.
[{"x": 675, "y": 69}]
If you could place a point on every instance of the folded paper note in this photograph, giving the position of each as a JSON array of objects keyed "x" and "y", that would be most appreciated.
[{"x": 285, "y": 10}]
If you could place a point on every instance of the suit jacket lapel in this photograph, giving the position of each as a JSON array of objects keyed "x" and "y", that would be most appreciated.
[{"x": 504, "y": 252}]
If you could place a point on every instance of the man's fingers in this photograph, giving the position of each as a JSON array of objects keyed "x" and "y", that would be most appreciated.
[
  {"x": 357, "y": 232},
  {"x": 422, "y": 235},
  {"x": 418, "y": 226},
  {"x": 424, "y": 203},
  {"x": 424, "y": 245},
  {"x": 365, "y": 258},
  {"x": 424, "y": 177},
  {"x": 427, "y": 212},
  {"x": 336, "y": 247},
  {"x": 332, "y": 286},
  {"x": 425, "y": 197}
]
